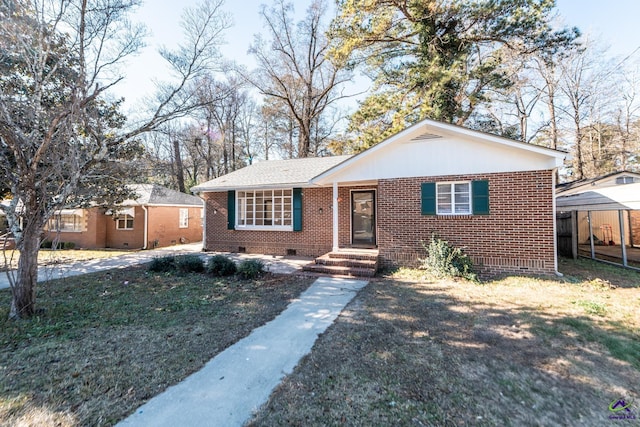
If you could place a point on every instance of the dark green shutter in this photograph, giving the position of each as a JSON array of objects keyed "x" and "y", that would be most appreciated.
[
  {"x": 428, "y": 190},
  {"x": 231, "y": 210},
  {"x": 297, "y": 209},
  {"x": 480, "y": 197}
]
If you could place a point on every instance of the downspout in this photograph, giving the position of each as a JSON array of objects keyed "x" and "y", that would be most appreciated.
[
  {"x": 203, "y": 220},
  {"x": 623, "y": 243},
  {"x": 146, "y": 226},
  {"x": 555, "y": 227},
  {"x": 335, "y": 236}
]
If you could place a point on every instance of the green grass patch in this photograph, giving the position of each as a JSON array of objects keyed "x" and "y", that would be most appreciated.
[
  {"x": 592, "y": 307},
  {"x": 414, "y": 351},
  {"x": 106, "y": 342},
  {"x": 622, "y": 343}
]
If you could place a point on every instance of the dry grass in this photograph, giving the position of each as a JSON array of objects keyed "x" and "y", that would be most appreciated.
[
  {"x": 107, "y": 342},
  {"x": 518, "y": 351},
  {"x": 9, "y": 258}
]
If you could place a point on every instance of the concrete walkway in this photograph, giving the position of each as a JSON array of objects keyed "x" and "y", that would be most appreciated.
[
  {"x": 274, "y": 264},
  {"x": 234, "y": 384}
]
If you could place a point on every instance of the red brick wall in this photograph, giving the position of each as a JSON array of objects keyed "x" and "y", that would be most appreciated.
[
  {"x": 164, "y": 227},
  {"x": 100, "y": 229},
  {"x": 516, "y": 237},
  {"x": 344, "y": 212},
  {"x": 93, "y": 235},
  {"x": 314, "y": 239},
  {"x": 126, "y": 239}
]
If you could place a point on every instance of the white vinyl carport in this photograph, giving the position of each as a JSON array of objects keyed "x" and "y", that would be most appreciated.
[{"x": 610, "y": 219}]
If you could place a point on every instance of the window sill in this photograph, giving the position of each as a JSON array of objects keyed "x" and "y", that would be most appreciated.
[
  {"x": 454, "y": 216},
  {"x": 264, "y": 228}
]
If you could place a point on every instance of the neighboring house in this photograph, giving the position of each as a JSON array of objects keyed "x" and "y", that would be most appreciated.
[
  {"x": 600, "y": 218},
  {"x": 613, "y": 179},
  {"x": 6, "y": 240},
  {"x": 158, "y": 217},
  {"x": 491, "y": 196}
]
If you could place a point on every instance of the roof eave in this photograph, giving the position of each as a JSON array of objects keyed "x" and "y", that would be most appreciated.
[{"x": 276, "y": 186}]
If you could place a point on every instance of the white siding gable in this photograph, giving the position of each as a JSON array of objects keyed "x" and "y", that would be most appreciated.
[{"x": 442, "y": 150}]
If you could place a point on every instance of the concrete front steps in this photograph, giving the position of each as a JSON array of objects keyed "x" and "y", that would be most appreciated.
[{"x": 346, "y": 262}]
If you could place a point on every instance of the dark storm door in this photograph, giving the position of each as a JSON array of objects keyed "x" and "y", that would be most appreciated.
[{"x": 363, "y": 218}]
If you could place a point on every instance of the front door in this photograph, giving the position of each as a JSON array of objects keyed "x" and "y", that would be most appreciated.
[{"x": 363, "y": 218}]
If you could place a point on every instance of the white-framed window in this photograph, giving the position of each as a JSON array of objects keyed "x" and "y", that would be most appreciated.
[
  {"x": 184, "y": 218},
  {"x": 625, "y": 180},
  {"x": 453, "y": 198},
  {"x": 264, "y": 209},
  {"x": 67, "y": 222},
  {"x": 124, "y": 222}
]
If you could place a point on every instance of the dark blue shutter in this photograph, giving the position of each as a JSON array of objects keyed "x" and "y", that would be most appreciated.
[
  {"x": 297, "y": 209},
  {"x": 231, "y": 210},
  {"x": 428, "y": 205},
  {"x": 480, "y": 197}
]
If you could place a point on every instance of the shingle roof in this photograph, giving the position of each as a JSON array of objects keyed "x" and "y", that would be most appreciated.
[
  {"x": 272, "y": 173},
  {"x": 153, "y": 194}
]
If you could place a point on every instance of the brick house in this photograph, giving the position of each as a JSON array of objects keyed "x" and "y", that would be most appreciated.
[
  {"x": 158, "y": 217},
  {"x": 490, "y": 195}
]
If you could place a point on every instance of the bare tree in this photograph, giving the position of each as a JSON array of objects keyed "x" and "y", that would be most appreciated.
[
  {"x": 224, "y": 114},
  {"x": 58, "y": 136},
  {"x": 586, "y": 87},
  {"x": 549, "y": 76},
  {"x": 294, "y": 69},
  {"x": 626, "y": 120}
]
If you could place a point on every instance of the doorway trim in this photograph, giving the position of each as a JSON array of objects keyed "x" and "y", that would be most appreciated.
[{"x": 374, "y": 226}]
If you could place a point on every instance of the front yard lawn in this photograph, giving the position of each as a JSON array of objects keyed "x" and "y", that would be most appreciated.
[
  {"x": 107, "y": 342},
  {"x": 407, "y": 351},
  {"x": 9, "y": 258},
  {"x": 519, "y": 351}
]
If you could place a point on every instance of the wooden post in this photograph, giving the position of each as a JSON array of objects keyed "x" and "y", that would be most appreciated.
[
  {"x": 622, "y": 240},
  {"x": 574, "y": 234},
  {"x": 593, "y": 249}
]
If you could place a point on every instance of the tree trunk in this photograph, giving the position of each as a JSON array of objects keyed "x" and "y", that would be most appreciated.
[
  {"x": 266, "y": 140},
  {"x": 304, "y": 140},
  {"x": 553, "y": 122},
  {"x": 179, "y": 169},
  {"x": 24, "y": 289},
  {"x": 578, "y": 160}
]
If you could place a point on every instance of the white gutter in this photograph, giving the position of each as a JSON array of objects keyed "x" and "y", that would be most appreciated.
[
  {"x": 204, "y": 226},
  {"x": 335, "y": 237},
  {"x": 555, "y": 226},
  {"x": 278, "y": 186},
  {"x": 146, "y": 226}
]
